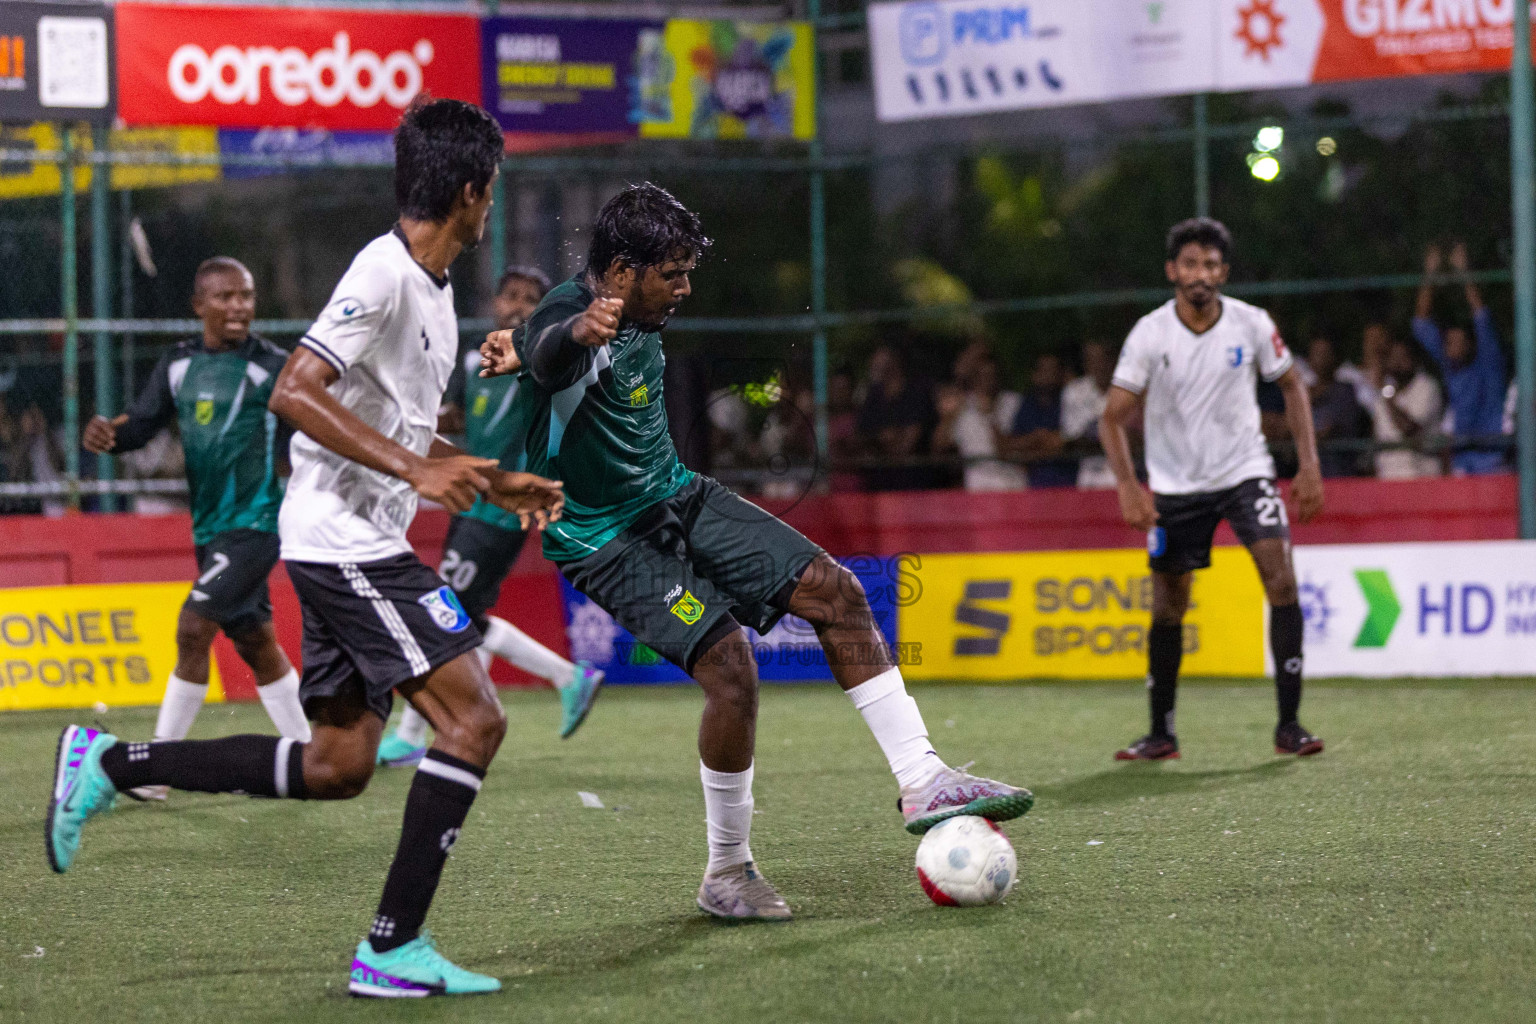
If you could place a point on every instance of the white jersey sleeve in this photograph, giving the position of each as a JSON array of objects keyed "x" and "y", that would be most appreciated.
[
  {"x": 1134, "y": 370},
  {"x": 1274, "y": 358},
  {"x": 364, "y": 301}
]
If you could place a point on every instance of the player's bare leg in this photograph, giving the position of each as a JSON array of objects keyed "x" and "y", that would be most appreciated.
[
  {"x": 1272, "y": 557},
  {"x": 833, "y": 601},
  {"x": 1165, "y": 651},
  {"x": 276, "y": 683},
  {"x": 733, "y": 888}
]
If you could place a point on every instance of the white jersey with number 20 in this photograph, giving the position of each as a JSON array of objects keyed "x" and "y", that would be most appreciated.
[
  {"x": 391, "y": 333},
  {"x": 1200, "y": 390}
]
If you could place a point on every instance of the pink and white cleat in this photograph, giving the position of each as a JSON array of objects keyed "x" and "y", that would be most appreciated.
[{"x": 952, "y": 792}]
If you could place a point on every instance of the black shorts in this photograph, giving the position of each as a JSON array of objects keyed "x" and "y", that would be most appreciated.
[
  {"x": 692, "y": 568},
  {"x": 476, "y": 559},
  {"x": 1186, "y": 523},
  {"x": 371, "y": 626},
  {"x": 231, "y": 587}
]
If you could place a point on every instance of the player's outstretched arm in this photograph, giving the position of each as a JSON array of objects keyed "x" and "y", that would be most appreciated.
[
  {"x": 300, "y": 398},
  {"x": 152, "y": 411},
  {"x": 537, "y": 501},
  {"x": 1136, "y": 504},
  {"x": 1307, "y": 488}
]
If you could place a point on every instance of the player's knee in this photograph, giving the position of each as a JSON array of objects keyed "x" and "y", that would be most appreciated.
[
  {"x": 337, "y": 776},
  {"x": 479, "y": 728},
  {"x": 1281, "y": 590},
  {"x": 194, "y": 634},
  {"x": 829, "y": 594}
]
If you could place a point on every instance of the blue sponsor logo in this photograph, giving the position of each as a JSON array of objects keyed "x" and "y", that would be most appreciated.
[
  {"x": 1157, "y": 541},
  {"x": 1235, "y": 356},
  {"x": 922, "y": 34},
  {"x": 1316, "y": 610},
  {"x": 988, "y": 26},
  {"x": 444, "y": 607}
]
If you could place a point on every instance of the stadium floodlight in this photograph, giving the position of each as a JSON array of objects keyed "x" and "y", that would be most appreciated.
[
  {"x": 1266, "y": 168},
  {"x": 1326, "y": 146},
  {"x": 1270, "y": 138}
]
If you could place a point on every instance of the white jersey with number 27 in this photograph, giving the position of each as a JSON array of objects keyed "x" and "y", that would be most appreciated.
[
  {"x": 1200, "y": 391},
  {"x": 391, "y": 333}
]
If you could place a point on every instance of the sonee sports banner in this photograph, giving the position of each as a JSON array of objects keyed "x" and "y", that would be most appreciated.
[{"x": 77, "y": 647}]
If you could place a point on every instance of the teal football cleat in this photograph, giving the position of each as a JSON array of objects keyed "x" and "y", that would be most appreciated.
[
  {"x": 576, "y": 697},
  {"x": 395, "y": 752},
  {"x": 81, "y": 790},
  {"x": 412, "y": 971}
]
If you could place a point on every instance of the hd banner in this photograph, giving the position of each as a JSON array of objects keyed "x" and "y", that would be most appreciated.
[
  {"x": 933, "y": 59},
  {"x": 1448, "y": 609},
  {"x": 300, "y": 67},
  {"x": 74, "y": 647},
  {"x": 56, "y": 63}
]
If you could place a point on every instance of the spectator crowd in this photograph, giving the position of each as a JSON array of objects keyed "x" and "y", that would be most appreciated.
[
  {"x": 1430, "y": 401},
  {"x": 1433, "y": 401}
]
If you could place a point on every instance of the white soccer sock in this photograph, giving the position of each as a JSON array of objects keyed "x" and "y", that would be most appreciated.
[
  {"x": 412, "y": 727},
  {"x": 511, "y": 644},
  {"x": 898, "y": 726},
  {"x": 281, "y": 699},
  {"x": 728, "y": 816},
  {"x": 178, "y": 708}
]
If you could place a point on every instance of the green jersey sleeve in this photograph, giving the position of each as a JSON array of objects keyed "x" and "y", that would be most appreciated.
[
  {"x": 549, "y": 353},
  {"x": 152, "y": 411}
]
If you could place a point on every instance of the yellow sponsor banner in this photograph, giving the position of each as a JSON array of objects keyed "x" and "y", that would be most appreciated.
[
  {"x": 1074, "y": 615},
  {"x": 71, "y": 647},
  {"x": 729, "y": 80},
  {"x": 22, "y": 180}
]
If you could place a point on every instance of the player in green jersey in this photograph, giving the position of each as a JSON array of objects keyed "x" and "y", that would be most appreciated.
[
  {"x": 215, "y": 389},
  {"x": 682, "y": 562},
  {"x": 483, "y": 543}
]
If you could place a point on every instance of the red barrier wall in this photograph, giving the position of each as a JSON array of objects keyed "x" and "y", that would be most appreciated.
[{"x": 35, "y": 551}]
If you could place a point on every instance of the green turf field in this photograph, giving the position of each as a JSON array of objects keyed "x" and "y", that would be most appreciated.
[{"x": 1390, "y": 879}]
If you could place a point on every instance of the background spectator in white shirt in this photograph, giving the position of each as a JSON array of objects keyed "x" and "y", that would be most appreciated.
[
  {"x": 1082, "y": 403},
  {"x": 1407, "y": 408},
  {"x": 974, "y": 415}
]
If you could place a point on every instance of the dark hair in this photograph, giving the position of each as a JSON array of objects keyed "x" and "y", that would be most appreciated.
[
  {"x": 644, "y": 226},
  {"x": 216, "y": 265},
  {"x": 533, "y": 275},
  {"x": 1202, "y": 231},
  {"x": 441, "y": 146}
]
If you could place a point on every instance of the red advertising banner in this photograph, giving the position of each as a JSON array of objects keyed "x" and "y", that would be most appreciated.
[
  {"x": 1387, "y": 38},
  {"x": 288, "y": 67}
]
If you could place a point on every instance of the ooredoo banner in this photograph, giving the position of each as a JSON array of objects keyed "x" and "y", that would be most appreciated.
[
  {"x": 76, "y": 647},
  {"x": 280, "y": 67},
  {"x": 935, "y": 58},
  {"x": 1448, "y": 609}
]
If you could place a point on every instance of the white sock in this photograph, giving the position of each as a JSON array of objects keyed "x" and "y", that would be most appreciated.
[
  {"x": 281, "y": 699},
  {"x": 412, "y": 727},
  {"x": 898, "y": 726},
  {"x": 511, "y": 644},
  {"x": 182, "y": 702},
  {"x": 728, "y": 816}
]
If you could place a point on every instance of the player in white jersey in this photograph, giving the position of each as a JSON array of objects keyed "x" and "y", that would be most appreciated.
[
  {"x": 364, "y": 388},
  {"x": 1190, "y": 369}
]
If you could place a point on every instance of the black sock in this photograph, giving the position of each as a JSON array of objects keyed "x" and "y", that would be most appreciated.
[
  {"x": 1165, "y": 649},
  {"x": 439, "y": 801},
  {"x": 258, "y": 765},
  {"x": 1285, "y": 627}
]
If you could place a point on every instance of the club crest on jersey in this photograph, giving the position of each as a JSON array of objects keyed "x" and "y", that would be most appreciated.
[
  {"x": 482, "y": 403},
  {"x": 202, "y": 412},
  {"x": 639, "y": 397},
  {"x": 688, "y": 608},
  {"x": 444, "y": 607}
]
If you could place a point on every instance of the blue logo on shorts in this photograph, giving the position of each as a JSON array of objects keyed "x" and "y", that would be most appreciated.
[
  {"x": 1157, "y": 542},
  {"x": 444, "y": 607}
]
